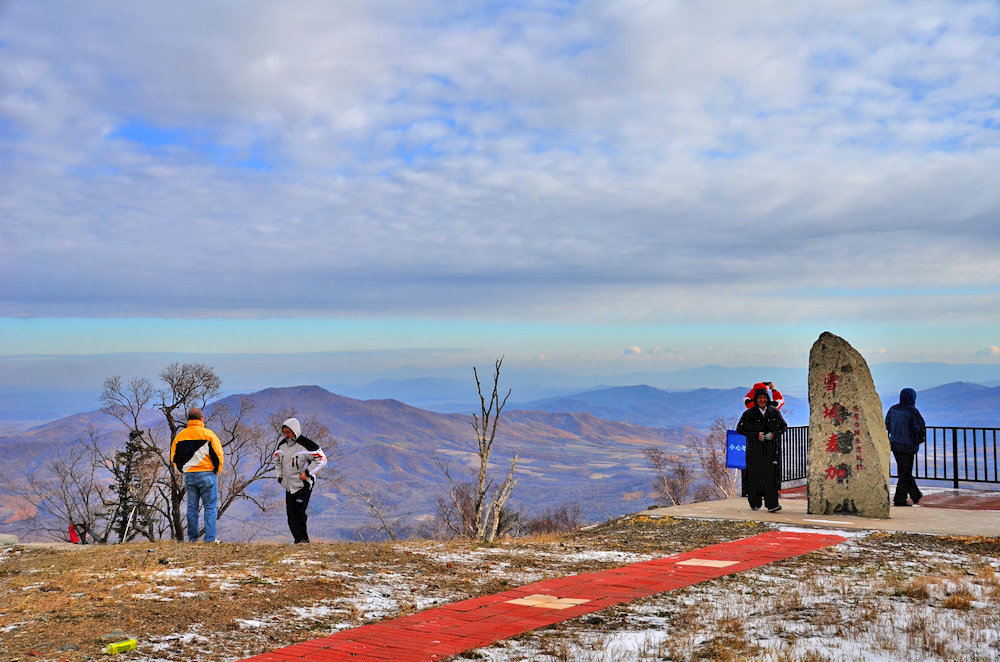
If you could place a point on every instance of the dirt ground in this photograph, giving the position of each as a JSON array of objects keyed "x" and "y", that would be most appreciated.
[{"x": 229, "y": 601}]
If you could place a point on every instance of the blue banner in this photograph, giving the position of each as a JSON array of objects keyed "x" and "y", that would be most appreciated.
[{"x": 736, "y": 450}]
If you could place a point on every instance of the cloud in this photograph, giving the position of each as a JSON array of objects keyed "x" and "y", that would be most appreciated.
[
  {"x": 639, "y": 161},
  {"x": 992, "y": 350},
  {"x": 633, "y": 351}
]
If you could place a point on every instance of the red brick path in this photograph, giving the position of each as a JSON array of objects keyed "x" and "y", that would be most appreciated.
[{"x": 437, "y": 633}]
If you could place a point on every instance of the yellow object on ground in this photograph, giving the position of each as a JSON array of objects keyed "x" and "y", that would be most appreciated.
[{"x": 121, "y": 647}]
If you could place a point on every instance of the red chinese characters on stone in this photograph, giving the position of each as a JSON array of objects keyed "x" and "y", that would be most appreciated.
[
  {"x": 831, "y": 382},
  {"x": 840, "y": 443},
  {"x": 839, "y": 473},
  {"x": 836, "y": 412}
]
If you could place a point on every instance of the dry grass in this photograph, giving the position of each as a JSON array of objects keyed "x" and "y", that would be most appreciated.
[
  {"x": 194, "y": 601},
  {"x": 214, "y": 602}
]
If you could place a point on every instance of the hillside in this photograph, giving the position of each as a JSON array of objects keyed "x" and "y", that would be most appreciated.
[
  {"x": 878, "y": 596},
  {"x": 646, "y": 405},
  {"x": 958, "y": 403},
  {"x": 387, "y": 447}
]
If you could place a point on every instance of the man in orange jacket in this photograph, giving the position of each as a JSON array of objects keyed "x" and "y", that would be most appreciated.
[{"x": 197, "y": 453}]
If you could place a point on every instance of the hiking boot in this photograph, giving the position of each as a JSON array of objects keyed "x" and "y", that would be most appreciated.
[{"x": 774, "y": 510}]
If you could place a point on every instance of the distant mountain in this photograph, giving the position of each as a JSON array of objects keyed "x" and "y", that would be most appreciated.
[
  {"x": 895, "y": 376},
  {"x": 388, "y": 447},
  {"x": 958, "y": 404},
  {"x": 35, "y": 389},
  {"x": 645, "y": 405},
  {"x": 440, "y": 394},
  {"x": 27, "y": 407}
]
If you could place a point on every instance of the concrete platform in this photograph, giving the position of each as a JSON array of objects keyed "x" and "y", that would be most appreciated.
[{"x": 940, "y": 520}]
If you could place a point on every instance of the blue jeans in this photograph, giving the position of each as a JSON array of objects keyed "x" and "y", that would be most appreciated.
[{"x": 202, "y": 486}]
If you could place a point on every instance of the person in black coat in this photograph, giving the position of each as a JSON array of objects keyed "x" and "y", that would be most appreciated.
[
  {"x": 762, "y": 425},
  {"x": 907, "y": 431}
]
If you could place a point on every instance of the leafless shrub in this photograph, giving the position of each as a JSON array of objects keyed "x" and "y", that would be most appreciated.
[
  {"x": 673, "y": 476},
  {"x": 563, "y": 519},
  {"x": 723, "y": 483},
  {"x": 74, "y": 489},
  {"x": 386, "y": 519}
]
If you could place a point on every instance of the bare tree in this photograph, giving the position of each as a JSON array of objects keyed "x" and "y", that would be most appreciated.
[
  {"x": 723, "y": 482},
  {"x": 672, "y": 474},
  {"x": 384, "y": 514},
  {"x": 72, "y": 489},
  {"x": 133, "y": 466},
  {"x": 247, "y": 446},
  {"x": 187, "y": 385},
  {"x": 477, "y": 509},
  {"x": 248, "y": 453}
]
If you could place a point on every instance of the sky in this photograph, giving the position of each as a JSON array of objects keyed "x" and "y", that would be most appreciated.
[{"x": 610, "y": 185}]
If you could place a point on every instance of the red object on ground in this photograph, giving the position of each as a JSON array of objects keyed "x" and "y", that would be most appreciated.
[
  {"x": 438, "y": 633},
  {"x": 73, "y": 538},
  {"x": 962, "y": 500}
]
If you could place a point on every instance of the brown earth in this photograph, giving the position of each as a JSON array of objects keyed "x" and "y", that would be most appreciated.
[{"x": 213, "y": 602}]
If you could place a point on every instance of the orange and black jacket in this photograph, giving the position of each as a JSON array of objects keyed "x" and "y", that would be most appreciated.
[{"x": 196, "y": 448}]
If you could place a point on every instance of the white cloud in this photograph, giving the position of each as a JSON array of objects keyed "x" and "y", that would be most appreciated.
[
  {"x": 992, "y": 350},
  {"x": 638, "y": 161},
  {"x": 633, "y": 351}
]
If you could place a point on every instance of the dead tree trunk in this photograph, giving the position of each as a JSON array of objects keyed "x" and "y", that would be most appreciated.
[{"x": 487, "y": 510}]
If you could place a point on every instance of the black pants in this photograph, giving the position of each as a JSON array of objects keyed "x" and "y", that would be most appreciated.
[
  {"x": 905, "y": 484},
  {"x": 762, "y": 473},
  {"x": 295, "y": 508}
]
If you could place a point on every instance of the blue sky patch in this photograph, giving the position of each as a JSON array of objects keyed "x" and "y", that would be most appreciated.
[{"x": 198, "y": 142}]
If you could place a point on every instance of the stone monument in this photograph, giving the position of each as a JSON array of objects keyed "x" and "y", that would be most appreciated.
[{"x": 848, "y": 444}]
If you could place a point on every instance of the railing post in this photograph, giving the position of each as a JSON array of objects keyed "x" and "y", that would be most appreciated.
[{"x": 954, "y": 456}]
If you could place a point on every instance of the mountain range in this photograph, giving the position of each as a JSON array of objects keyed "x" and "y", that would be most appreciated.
[
  {"x": 387, "y": 447},
  {"x": 584, "y": 447},
  {"x": 38, "y": 389},
  {"x": 645, "y": 405}
]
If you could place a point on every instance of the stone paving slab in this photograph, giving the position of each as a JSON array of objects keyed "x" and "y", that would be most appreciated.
[
  {"x": 936, "y": 520},
  {"x": 438, "y": 633}
]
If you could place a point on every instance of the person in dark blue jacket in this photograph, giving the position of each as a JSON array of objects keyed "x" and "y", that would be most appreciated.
[{"x": 907, "y": 431}]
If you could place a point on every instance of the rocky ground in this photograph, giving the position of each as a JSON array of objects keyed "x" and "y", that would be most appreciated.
[{"x": 879, "y": 596}]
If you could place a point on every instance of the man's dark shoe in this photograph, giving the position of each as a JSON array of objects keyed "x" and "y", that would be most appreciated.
[
  {"x": 916, "y": 500},
  {"x": 774, "y": 510},
  {"x": 754, "y": 507},
  {"x": 901, "y": 505}
]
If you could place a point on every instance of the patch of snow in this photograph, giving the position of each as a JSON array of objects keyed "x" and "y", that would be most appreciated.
[
  {"x": 294, "y": 560},
  {"x": 316, "y": 611},
  {"x": 249, "y": 623},
  {"x": 606, "y": 556}
]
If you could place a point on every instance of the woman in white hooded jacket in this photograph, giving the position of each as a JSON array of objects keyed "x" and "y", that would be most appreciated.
[{"x": 297, "y": 460}]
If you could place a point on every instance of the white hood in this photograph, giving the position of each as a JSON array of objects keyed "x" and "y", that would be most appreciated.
[{"x": 293, "y": 425}]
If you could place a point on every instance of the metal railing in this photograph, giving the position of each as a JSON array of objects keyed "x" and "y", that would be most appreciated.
[
  {"x": 794, "y": 460},
  {"x": 952, "y": 453},
  {"x": 958, "y": 454}
]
